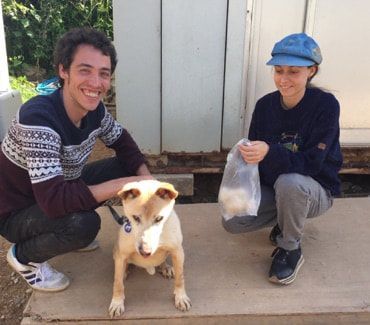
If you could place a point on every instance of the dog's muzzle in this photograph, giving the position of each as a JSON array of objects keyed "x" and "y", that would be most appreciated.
[{"x": 144, "y": 250}]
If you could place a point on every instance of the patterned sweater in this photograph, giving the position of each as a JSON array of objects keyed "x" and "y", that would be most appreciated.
[
  {"x": 303, "y": 140},
  {"x": 43, "y": 154}
]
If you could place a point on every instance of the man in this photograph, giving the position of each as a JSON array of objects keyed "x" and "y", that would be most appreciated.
[{"x": 47, "y": 192}]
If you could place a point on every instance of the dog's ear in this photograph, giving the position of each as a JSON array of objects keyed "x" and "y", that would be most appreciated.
[
  {"x": 167, "y": 191},
  {"x": 131, "y": 193}
]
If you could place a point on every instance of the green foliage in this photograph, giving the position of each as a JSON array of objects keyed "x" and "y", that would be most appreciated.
[
  {"x": 16, "y": 65},
  {"x": 32, "y": 28},
  {"x": 25, "y": 87}
]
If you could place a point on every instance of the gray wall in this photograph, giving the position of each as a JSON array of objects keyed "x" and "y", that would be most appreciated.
[{"x": 190, "y": 71}]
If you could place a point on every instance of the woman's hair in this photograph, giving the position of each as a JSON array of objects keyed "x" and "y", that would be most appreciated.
[
  {"x": 309, "y": 84},
  {"x": 66, "y": 47}
]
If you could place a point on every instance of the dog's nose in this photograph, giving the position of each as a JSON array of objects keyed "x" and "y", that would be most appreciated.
[{"x": 144, "y": 251}]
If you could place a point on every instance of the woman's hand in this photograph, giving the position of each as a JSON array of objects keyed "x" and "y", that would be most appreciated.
[{"x": 254, "y": 152}]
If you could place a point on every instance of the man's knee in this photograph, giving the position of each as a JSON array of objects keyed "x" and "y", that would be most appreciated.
[
  {"x": 83, "y": 227},
  {"x": 238, "y": 225}
]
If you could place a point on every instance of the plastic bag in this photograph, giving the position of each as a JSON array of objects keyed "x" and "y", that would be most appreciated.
[{"x": 240, "y": 190}]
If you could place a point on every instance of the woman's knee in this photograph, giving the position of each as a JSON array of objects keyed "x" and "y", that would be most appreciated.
[{"x": 287, "y": 184}]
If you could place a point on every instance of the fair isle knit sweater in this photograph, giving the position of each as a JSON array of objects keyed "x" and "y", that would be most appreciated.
[
  {"x": 43, "y": 154},
  {"x": 303, "y": 140}
]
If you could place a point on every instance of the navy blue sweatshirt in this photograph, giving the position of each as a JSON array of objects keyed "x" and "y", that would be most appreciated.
[{"x": 303, "y": 140}]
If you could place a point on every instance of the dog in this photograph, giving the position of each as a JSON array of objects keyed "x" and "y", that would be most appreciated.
[{"x": 151, "y": 232}]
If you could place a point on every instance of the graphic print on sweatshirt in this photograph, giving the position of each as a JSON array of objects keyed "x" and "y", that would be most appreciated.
[{"x": 291, "y": 140}]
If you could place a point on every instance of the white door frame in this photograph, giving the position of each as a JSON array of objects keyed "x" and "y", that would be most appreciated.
[{"x": 4, "y": 75}]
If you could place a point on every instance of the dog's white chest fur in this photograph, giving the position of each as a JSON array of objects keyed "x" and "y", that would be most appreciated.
[{"x": 170, "y": 238}]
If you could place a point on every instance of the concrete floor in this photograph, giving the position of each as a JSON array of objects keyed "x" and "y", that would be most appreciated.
[{"x": 226, "y": 276}]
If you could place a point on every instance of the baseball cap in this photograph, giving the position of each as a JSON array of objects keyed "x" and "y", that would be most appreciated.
[{"x": 296, "y": 50}]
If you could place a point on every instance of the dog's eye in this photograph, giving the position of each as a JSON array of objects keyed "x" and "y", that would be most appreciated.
[
  {"x": 136, "y": 218},
  {"x": 158, "y": 219}
]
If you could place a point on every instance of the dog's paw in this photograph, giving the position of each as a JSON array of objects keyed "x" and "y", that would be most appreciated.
[
  {"x": 116, "y": 308},
  {"x": 182, "y": 302},
  {"x": 167, "y": 271}
]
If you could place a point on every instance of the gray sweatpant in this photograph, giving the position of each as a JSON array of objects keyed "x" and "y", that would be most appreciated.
[{"x": 293, "y": 199}]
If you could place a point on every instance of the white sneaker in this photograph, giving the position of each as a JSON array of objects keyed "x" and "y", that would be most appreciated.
[
  {"x": 39, "y": 276},
  {"x": 91, "y": 247}
]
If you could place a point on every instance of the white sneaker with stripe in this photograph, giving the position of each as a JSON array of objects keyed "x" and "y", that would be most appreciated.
[{"x": 39, "y": 276}]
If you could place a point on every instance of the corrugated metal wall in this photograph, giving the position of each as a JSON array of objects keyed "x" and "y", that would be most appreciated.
[
  {"x": 190, "y": 71},
  {"x": 171, "y": 82}
]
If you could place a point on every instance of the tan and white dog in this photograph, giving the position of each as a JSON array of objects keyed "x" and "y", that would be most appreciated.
[{"x": 151, "y": 232}]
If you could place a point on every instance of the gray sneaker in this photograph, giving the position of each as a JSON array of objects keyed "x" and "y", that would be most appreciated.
[{"x": 39, "y": 276}]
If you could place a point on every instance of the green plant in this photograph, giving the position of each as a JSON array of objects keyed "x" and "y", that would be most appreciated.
[
  {"x": 25, "y": 87},
  {"x": 32, "y": 28},
  {"x": 16, "y": 65}
]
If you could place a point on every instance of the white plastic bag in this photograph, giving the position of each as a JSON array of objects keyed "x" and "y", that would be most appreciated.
[{"x": 240, "y": 190}]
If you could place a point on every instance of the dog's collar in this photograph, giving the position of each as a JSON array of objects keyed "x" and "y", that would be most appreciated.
[{"x": 121, "y": 220}]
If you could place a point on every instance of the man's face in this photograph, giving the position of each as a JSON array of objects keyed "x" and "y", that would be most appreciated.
[{"x": 87, "y": 80}]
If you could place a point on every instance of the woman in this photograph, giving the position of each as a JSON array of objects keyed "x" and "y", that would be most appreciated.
[{"x": 294, "y": 136}]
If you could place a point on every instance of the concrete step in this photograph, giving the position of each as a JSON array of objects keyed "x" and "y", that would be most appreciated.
[
  {"x": 226, "y": 276},
  {"x": 184, "y": 183}
]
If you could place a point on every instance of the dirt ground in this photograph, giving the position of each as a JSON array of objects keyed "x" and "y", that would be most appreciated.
[{"x": 14, "y": 291}]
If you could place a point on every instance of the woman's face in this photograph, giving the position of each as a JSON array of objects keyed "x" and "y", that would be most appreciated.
[{"x": 291, "y": 81}]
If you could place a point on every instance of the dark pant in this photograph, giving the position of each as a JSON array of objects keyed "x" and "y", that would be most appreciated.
[{"x": 39, "y": 238}]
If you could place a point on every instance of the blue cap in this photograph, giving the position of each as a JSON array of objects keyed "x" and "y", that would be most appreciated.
[{"x": 296, "y": 50}]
